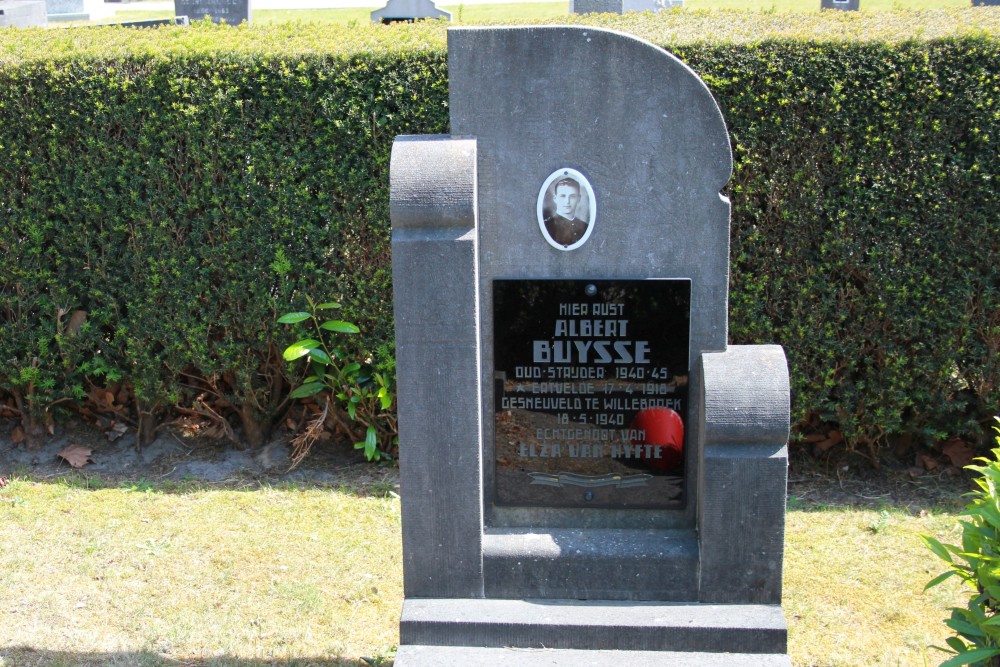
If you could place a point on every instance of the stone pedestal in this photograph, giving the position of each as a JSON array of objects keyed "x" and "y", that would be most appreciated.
[{"x": 77, "y": 10}]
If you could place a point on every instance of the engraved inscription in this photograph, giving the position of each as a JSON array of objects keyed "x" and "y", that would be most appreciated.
[{"x": 590, "y": 389}]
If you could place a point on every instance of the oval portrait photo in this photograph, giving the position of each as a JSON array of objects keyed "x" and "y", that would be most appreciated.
[{"x": 566, "y": 209}]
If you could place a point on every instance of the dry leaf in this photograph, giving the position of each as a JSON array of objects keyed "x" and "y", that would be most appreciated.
[
  {"x": 76, "y": 321},
  {"x": 18, "y": 435},
  {"x": 103, "y": 400},
  {"x": 76, "y": 455},
  {"x": 959, "y": 453},
  {"x": 927, "y": 462},
  {"x": 4, "y": 481}
]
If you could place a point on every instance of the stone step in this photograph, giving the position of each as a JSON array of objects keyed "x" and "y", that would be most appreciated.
[
  {"x": 441, "y": 656},
  {"x": 594, "y": 625},
  {"x": 605, "y": 564}
]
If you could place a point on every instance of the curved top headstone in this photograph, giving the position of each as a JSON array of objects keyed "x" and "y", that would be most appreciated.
[
  {"x": 600, "y": 156},
  {"x": 636, "y": 123}
]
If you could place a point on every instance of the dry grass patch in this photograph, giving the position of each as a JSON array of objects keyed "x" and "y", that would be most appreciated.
[
  {"x": 212, "y": 576},
  {"x": 853, "y": 587}
]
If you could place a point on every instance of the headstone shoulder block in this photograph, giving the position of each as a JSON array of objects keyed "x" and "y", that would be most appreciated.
[
  {"x": 433, "y": 182},
  {"x": 746, "y": 394}
]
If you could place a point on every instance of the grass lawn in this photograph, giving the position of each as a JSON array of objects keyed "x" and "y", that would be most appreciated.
[{"x": 187, "y": 574}]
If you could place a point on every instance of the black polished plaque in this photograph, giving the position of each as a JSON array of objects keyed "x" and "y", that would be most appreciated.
[{"x": 591, "y": 397}]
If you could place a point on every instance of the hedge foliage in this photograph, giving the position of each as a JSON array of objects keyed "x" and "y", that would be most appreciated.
[{"x": 183, "y": 187}]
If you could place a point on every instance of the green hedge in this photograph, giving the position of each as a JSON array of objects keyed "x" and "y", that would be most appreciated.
[{"x": 183, "y": 187}]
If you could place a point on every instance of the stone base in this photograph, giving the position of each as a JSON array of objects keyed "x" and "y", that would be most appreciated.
[
  {"x": 599, "y": 564},
  {"x": 419, "y": 656},
  {"x": 643, "y": 627}
]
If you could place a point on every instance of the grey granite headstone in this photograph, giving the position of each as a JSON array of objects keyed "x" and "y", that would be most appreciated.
[
  {"x": 408, "y": 10},
  {"x": 22, "y": 13},
  {"x": 155, "y": 23},
  {"x": 233, "y": 12},
  {"x": 76, "y": 10},
  {"x": 621, "y": 6},
  {"x": 587, "y": 467},
  {"x": 843, "y": 5}
]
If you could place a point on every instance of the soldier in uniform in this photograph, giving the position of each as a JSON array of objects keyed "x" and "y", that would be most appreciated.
[{"x": 562, "y": 224}]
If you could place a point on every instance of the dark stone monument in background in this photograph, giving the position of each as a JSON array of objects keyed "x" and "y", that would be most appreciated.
[
  {"x": 591, "y": 474},
  {"x": 233, "y": 12}
]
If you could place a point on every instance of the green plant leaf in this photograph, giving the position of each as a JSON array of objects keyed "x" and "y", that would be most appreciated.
[
  {"x": 936, "y": 546},
  {"x": 307, "y": 390},
  {"x": 340, "y": 327},
  {"x": 300, "y": 349},
  {"x": 938, "y": 579},
  {"x": 371, "y": 443},
  {"x": 964, "y": 627},
  {"x": 970, "y": 657},
  {"x": 319, "y": 355},
  {"x": 956, "y": 644},
  {"x": 327, "y": 306},
  {"x": 293, "y": 318}
]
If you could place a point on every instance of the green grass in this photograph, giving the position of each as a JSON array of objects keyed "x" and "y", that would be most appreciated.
[{"x": 152, "y": 574}]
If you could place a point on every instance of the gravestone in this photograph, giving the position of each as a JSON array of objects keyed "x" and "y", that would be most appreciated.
[
  {"x": 155, "y": 23},
  {"x": 590, "y": 474},
  {"x": 621, "y": 6},
  {"x": 233, "y": 12},
  {"x": 843, "y": 5},
  {"x": 396, "y": 11},
  {"x": 22, "y": 13},
  {"x": 77, "y": 10}
]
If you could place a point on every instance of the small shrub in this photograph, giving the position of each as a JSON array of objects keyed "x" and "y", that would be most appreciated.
[
  {"x": 977, "y": 562},
  {"x": 339, "y": 386}
]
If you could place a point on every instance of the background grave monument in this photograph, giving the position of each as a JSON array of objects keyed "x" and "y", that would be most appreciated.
[
  {"x": 77, "y": 10},
  {"x": 22, "y": 13},
  {"x": 233, "y": 12},
  {"x": 590, "y": 473},
  {"x": 409, "y": 11},
  {"x": 621, "y": 6},
  {"x": 843, "y": 5}
]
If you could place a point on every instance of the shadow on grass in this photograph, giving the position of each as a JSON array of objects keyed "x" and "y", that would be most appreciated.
[
  {"x": 26, "y": 656},
  {"x": 375, "y": 484}
]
